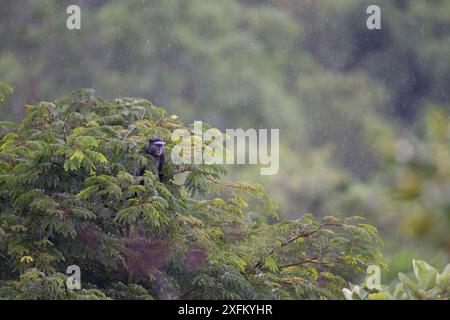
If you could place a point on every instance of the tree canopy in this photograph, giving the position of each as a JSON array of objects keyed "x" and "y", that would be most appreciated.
[{"x": 69, "y": 196}]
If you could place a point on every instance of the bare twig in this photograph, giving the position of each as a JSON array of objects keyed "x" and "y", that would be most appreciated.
[
  {"x": 34, "y": 95},
  {"x": 129, "y": 132},
  {"x": 183, "y": 170}
]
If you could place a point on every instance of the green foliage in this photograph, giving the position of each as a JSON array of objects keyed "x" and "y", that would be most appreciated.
[
  {"x": 5, "y": 89},
  {"x": 35, "y": 285},
  {"x": 425, "y": 283},
  {"x": 69, "y": 194},
  {"x": 419, "y": 171}
]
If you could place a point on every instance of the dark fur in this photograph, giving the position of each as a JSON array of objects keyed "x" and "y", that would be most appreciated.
[{"x": 155, "y": 148}]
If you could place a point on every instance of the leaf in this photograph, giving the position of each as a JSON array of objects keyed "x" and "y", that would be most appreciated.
[
  {"x": 74, "y": 162},
  {"x": 347, "y": 294},
  {"x": 5, "y": 89},
  {"x": 270, "y": 263},
  {"x": 92, "y": 124},
  {"x": 380, "y": 296},
  {"x": 26, "y": 259},
  {"x": 369, "y": 228},
  {"x": 444, "y": 282},
  {"x": 408, "y": 283},
  {"x": 101, "y": 158},
  {"x": 87, "y": 193},
  {"x": 426, "y": 275},
  {"x": 82, "y": 213},
  {"x": 128, "y": 215}
]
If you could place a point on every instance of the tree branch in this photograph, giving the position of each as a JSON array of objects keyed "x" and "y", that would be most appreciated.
[
  {"x": 304, "y": 234},
  {"x": 34, "y": 95},
  {"x": 301, "y": 263}
]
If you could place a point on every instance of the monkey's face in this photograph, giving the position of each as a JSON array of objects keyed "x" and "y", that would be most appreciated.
[{"x": 155, "y": 147}]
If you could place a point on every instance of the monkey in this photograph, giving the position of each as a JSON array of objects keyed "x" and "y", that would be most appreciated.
[{"x": 155, "y": 148}]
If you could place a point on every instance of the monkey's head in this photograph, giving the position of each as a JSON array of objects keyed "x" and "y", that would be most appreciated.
[{"x": 155, "y": 147}]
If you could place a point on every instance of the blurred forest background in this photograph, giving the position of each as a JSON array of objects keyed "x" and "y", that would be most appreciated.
[{"x": 363, "y": 114}]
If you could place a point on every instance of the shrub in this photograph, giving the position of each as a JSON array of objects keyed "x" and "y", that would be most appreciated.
[{"x": 425, "y": 283}]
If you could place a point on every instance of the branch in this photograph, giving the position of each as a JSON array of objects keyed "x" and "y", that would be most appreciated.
[
  {"x": 301, "y": 263},
  {"x": 183, "y": 170},
  {"x": 304, "y": 234},
  {"x": 129, "y": 132},
  {"x": 307, "y": 234},
  {"x": 227, "y": 185},
  {"x": 231, "y": 185},
  {"x": 34, "y": 95},
  {"x": 65, "y": 129}
]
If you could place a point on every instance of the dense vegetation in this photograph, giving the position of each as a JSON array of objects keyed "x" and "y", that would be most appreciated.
[
  {"x": 425, "y": 282},
  {"x": 363, "y": 115},
  {"x": 69, "y": 195}
]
